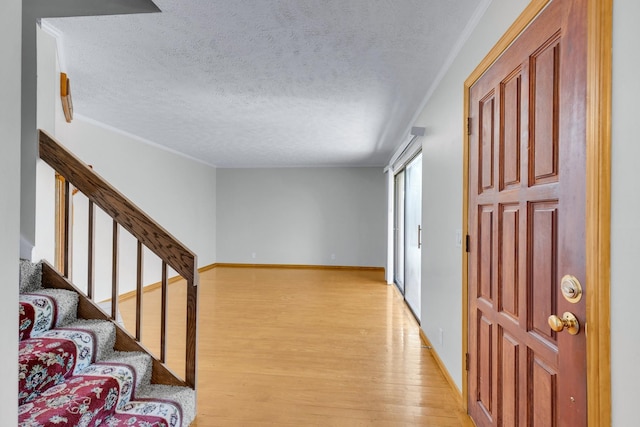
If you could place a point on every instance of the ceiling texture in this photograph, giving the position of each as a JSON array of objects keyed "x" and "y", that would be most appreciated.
[{"x": 265, "y": 83}]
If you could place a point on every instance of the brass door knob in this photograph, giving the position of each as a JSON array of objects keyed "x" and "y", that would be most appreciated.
[{"x": 568, "y": 321}]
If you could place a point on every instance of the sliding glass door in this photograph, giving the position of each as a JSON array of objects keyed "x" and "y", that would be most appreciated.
[
  {"x": 398, "y": 228},
  {"x": 408, "y": 232},
  {"x": 413, "y": 234}
]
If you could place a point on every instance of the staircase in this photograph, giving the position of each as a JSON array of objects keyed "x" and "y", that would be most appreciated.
[
  {"x": 77, "y": 365},
  {"x": 70, "y": 374}
]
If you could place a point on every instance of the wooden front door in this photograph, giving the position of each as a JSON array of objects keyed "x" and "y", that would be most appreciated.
[{"x": 527, "y": 226}]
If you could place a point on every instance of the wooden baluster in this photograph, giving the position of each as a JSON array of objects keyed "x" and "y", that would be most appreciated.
[
  {"x": 131, "y": 218},
  {"x": 163, "y": 314},
  {"x": 90, "y": 251},
  {"x": 59, "y": 223},
  {"x": 114, "y": 272},
  {"x": 139, "y": 277},
  {"x": 191, "y": 355},
  {"x": 66, "y": 263}
]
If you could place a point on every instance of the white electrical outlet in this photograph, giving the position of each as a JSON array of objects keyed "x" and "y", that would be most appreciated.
[
  {"x": 253, "y": 255},
  {"x": 333, "y": 256}
]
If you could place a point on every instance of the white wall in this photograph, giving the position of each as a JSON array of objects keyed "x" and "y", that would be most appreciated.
[
  {"x": 48, "y": 88},
  {"x": 625, "y": 227},
  {"x": 10, "y": 125},
  {"x": 177, "y": 192},
  {"x": 442, "y": 188},
  {"x": 302, "y": 216}
]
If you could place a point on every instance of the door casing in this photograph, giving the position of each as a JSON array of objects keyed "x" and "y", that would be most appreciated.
[{"x": 598, "y": 198}]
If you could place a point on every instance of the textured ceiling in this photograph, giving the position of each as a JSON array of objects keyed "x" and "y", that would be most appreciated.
[{"x": 264, "y": 82}]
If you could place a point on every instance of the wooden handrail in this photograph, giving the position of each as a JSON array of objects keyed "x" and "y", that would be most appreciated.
[
  {"x": 127, "y": 215},
  {"x": 118, "y": 207}
]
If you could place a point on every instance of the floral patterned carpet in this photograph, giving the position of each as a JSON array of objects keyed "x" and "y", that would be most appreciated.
[{"x": 62, "y": 384}]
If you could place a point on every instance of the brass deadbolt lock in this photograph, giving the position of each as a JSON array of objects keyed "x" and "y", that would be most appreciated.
[{"x": 571, "y": 288}]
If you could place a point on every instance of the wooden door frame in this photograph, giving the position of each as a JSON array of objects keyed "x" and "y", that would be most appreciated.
[{"x": 598, "y": 199}]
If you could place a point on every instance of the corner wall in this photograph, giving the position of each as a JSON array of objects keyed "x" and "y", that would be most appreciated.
[
  {"x": 302, "y": 216},
  {"x": 177, "y": 192},
  {"x": 442, "y": 186},
  {"x": 625, "y": 208},
  {"x": 48, "y": 91},
  {"x": 10, "y": 128}
]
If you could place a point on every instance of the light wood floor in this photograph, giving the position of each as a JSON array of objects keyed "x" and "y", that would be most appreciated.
[{"x": 305, "y": 347}]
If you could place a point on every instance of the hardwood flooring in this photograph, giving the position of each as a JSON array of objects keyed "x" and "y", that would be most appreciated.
[{"x": 304, "y": 347}]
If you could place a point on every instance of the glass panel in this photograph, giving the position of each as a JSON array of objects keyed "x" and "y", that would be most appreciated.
[
  {"x": 398, "y": 229},
  {"x": 413, "y": 219}
]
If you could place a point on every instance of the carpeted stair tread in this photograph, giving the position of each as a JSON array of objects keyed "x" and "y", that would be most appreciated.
[
  {"x": 124, "y": 373},
  {"x": 67, "y": 302},
  {"x": 43, "y": 363},
  {"x": 143, "y": 412},
  {"x": 84, "y": 400},
  {"x": 45, "y": 309},
  {"x": 30, "y": 276},
  {"x": 183, "y": 396},
  {"x": 105, "y": 333},
  {"x": 37, "y": 314},
  {"x": 58, "y": 353},
  {"x": 139, "y": 362}
]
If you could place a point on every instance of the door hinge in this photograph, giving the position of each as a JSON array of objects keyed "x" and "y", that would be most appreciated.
[
  {"x": 466, "y": 361},
  {"x": 467, "y": 243},
  {"x": 468, "y": 125}
]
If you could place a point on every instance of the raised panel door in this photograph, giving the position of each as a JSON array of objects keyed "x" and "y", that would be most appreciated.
[{"x": 527, "y": 226}]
